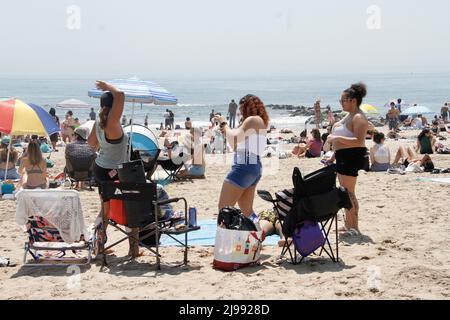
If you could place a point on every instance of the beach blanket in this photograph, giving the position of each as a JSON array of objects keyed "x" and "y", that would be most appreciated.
[
  {"x": 438, "y": 180},
  {"x": 205, "y": 237}
]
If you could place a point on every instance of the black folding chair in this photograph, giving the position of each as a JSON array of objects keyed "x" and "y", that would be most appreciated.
[
  {"x": 144, "y": 216},
  {"x": 314, "y": 198},
  {"x": 80, "y": 168},
  {"x": 171, "y": 168}
]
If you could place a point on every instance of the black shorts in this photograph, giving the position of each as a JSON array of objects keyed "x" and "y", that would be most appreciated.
[
  {"x": 103, "y": 175},
  {"x": 350, "y": 161},
  {"x": 54, "y": 137}
]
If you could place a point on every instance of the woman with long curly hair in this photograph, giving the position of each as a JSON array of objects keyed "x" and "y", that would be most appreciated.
[{"x": 249, "y": 142}]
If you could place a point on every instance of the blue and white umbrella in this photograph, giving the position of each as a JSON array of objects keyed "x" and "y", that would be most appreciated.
[
  {"x": 417, "y": 110},
  {"x": 140, "y": 92}
]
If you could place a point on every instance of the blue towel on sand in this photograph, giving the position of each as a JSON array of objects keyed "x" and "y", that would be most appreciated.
[
  {"x": 438, "y": 180},
  {"x": 206, "y": 236}
]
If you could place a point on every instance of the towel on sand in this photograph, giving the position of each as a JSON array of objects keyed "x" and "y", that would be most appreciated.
[{"x": 206, "y": 236}]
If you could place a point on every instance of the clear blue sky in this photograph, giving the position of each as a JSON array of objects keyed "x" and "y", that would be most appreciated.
[{"x": 218, "y": 38}]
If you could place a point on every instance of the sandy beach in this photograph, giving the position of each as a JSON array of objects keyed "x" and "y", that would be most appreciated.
[{"x": 402, "y": 254}]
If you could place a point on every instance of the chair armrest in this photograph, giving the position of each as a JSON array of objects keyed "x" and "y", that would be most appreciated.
[{"x": 164, "y": 202}]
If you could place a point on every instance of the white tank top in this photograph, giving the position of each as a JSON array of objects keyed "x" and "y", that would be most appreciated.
[
  {"x": 381, "y": 154},
  {"x": 254, "y": 143}
]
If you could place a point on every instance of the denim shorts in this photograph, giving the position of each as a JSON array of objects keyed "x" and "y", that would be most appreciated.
[{"x": 245, "y": 171}]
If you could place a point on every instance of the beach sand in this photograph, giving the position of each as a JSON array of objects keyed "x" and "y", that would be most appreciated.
[{"x": 402, "y": 254}]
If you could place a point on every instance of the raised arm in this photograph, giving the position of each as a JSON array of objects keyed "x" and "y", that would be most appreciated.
[{"x": 113, "y": 127}]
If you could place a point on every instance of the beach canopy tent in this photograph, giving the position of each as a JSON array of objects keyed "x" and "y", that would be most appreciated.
[
  {"x": 369, "y": 109},
  {"x": 417, "y": 110},
  {"x": 73, "y": 104},
  {"x": 139, "y": 91},
  {"x": 20, "y": 118}
]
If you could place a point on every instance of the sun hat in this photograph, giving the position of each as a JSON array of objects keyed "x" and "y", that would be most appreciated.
[{"x": 82, "y": 132}]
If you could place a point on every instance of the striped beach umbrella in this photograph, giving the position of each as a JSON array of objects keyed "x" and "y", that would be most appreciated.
[
  {"x": 20, "y": 118},
  {"x": 139, "y": 91},
  {"x": 73, "y": 104}
]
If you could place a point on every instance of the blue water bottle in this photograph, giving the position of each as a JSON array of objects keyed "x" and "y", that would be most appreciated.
[{"x": 192, "y": 217}]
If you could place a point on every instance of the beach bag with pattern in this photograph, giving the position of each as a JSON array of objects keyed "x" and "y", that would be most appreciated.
[{"x": 235, "y": 249}]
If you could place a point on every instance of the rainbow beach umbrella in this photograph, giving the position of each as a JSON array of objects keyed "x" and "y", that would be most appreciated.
[{"x": 20, "y": 118}]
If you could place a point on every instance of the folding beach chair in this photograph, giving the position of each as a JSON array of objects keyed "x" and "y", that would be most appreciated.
[
  {"x": 171, "y": 168},
  {"x": 144, "y": 217},
  {"x": 315, "y": 198},
  {"x": 80, "y": 167},
  {"x": 55, "y": 226}
]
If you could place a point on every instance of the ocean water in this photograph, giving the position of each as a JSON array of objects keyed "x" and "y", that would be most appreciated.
[{"x": 198, "y": 97}]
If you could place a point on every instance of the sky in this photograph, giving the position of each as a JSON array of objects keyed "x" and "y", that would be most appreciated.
[{"x": 222, "y": 38}]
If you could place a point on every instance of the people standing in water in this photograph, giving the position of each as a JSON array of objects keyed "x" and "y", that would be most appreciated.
[
  {"x": 146, "y": 120},
  {"x": 348, "y": 139},
  {"x": 108, "y": 137},
  {"x": 248, "y": 141}
]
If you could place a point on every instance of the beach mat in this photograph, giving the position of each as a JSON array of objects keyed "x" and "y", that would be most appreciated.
[
  {"x": 205, "y": 237},
  {"x": 438, "y": 180}
]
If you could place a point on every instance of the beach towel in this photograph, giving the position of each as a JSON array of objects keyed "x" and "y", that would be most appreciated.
[
  {"x": 206, "y": 236},
  {"x": 61, "y": 208},
  {"x": 438, "y": 180}
]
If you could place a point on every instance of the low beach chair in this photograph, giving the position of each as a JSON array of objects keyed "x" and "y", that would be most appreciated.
[
  {"x": 54, "y": 222},
  {"x": 80, "y": 168},
  {"x": 144, "y": 217}
]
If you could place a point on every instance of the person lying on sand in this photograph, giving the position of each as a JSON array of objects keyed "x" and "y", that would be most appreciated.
[
  {"x": 409, "y": 156},
  {"x": 270, "y": 224}
]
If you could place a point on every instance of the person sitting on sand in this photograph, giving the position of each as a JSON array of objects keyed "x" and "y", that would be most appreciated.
[
  {"x": 409, "y": 156},
  {"x": 196, "y": 167},
  {"x": 33, "y": 168},
  {"x": 6, "y": 163},
  {"x": 380, "y": 156},
  {"x": 425, "y": 142},
  {"x": 313, "y": 147}
]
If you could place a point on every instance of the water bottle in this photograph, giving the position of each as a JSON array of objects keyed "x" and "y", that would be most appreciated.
[{"x": 192, "y": 217}]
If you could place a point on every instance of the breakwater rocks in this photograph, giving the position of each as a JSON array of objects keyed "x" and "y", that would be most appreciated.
[{"x": 295, "y": 111}]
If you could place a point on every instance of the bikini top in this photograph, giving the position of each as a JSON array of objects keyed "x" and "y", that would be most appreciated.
[{"x": 34, "y": 171}]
